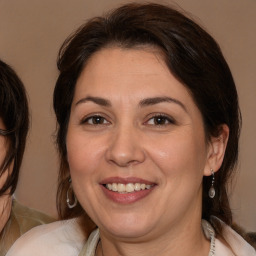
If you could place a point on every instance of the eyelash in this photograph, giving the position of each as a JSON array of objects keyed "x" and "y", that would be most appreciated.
[
  {"x": 163, "y": 117},
  {"x": 87, "y": 119},
  {"x": 103, "y": 121}
]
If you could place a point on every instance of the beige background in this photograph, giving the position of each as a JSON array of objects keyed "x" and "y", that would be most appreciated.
[{"x": 31, "y": 32}]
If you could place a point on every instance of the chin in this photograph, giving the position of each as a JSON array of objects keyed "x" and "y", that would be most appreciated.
[
  {"x": 131, "y": 233},
  {"x": 128, "y": 227}
]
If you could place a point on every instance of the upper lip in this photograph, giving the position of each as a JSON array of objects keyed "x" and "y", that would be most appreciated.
[{"x": 126, "y": 180}]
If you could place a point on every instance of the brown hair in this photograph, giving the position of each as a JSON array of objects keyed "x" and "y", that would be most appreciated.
[
  {"x": 192, "y": 56},
  {"x": 15, "y": 116}
]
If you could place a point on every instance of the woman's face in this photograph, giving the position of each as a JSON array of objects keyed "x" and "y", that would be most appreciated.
[{"x": 136, "y": 145}]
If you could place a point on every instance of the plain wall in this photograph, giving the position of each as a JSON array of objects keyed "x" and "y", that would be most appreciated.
[{"x": 31, "y": 32}]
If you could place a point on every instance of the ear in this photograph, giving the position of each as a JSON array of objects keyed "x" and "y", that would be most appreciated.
[{"x": 216, "y": 150}]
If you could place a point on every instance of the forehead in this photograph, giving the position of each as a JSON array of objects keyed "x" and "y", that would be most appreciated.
[{"x": 136, "y": 71}]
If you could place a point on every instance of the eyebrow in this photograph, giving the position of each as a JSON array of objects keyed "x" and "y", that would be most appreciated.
[
  {"x": 143, "y": 103},
  {"x": 157, "y": 100},
  {"x": 97, "y": 100}
]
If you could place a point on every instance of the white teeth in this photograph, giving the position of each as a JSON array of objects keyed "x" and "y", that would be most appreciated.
[
  {"x": 121, "y": 187},
  {"x": 109, "y": 186},
  {"x": 143, "y": 186},
  {"x": 114, "y": 187},
  {"x": 127, "y": 188},
  {"x": 137, "y": 187}
]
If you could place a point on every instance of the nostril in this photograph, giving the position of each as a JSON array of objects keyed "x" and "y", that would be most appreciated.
[
  {"x": 125, "y": 147},
  {"x": 123, "y": 162}
]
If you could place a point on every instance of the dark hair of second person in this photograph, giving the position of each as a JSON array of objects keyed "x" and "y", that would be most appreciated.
[
  {"x": 16, "y": 219},
  {"x": 15, "y": 116}
]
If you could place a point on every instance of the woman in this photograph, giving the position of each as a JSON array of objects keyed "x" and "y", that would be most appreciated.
[
  {"x": 15, "y": 219},
  {"x": 148, "y": 128}
]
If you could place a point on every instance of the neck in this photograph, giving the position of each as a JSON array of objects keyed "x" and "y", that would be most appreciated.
[{"x": 188, "y": 240}]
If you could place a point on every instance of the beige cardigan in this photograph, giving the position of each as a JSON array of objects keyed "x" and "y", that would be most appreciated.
[{"x": 20, "y": 221}]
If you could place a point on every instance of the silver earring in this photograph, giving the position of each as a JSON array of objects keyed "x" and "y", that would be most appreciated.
[
  {"x": 212, "y": 190},
  {"x": 70, "y": 206}
]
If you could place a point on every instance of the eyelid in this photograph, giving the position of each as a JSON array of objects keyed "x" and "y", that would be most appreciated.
[
  {"x": 85, "y": 119},
  {"x": 170, "y": 119}
]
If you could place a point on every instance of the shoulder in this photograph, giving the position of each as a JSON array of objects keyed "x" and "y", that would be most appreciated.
[
  {"x": 28, "y": 218},
  {"x": 64, "y": 238},
  {"x": 234, "y": 244}
]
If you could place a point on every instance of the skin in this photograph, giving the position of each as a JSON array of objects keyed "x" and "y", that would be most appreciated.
[
  {"x": 5, "y": 200},
  {"x": 128, "y": 140}
]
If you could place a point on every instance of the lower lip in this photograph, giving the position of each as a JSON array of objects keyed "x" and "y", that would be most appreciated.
[{"x": 126, "y": 198}]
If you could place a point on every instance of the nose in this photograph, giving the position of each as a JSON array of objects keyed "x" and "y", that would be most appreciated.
[{"x": 125, "y": 147}]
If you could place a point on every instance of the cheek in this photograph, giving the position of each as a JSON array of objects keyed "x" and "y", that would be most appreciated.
[
  {"x": 180, "y": 155},
  {"x": 83, "y": 154}
]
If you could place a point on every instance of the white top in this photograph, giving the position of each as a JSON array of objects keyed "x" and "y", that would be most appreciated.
[{"x": 65, "y": 238}]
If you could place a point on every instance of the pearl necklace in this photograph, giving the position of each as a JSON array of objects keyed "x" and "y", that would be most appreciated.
[{"x": 210, "y": 234}]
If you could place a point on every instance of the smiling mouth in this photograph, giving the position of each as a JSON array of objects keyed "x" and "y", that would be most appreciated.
[{"x": 127, "y": 188}]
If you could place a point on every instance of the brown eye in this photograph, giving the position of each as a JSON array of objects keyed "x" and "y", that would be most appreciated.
[
  {"x": 95, "y": 120},
  {"x": 160, "y": 120}
]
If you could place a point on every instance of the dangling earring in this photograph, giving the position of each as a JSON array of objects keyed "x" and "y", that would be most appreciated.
[
  {"x": 212, "y": 190},
  {"x": 70, "y": 206}
]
